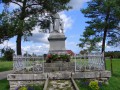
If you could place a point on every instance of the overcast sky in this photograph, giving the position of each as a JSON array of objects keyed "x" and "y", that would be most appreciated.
[{"x": 74, "y": 25}]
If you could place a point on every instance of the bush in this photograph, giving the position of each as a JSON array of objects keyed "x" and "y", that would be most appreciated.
[
  {"x": 22, "y": 88},
  {"x": 8, "y": 54},
  {"x": 94, "y": 85}
]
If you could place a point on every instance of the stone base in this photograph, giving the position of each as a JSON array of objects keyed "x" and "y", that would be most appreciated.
[
  {"x": 16, "y": 80},
  {"x": 57, "y": 43}
]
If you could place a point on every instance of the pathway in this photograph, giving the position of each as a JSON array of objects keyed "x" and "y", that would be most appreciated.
[
  {"x": 60, "y": 85},
  {"x": 4, "y": 74}
]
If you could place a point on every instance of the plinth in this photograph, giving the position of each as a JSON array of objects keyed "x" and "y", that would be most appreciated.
[{"x": 57, "y": 43}]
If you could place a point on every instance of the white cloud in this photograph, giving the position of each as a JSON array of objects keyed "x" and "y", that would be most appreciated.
[
  {"x": 67, "y": 20},
  {"x": 8, "y": 44},
  {"x": 77, "y": 4},
  {"x": 14, "y": 6},
  {"x": 39, "y": 38},
  {"x": 36, "y": 49}
]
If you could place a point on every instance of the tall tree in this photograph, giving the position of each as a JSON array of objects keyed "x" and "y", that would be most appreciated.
[
  {"x": 103, "y": 24},
  {"x": 26, "y": 16}
]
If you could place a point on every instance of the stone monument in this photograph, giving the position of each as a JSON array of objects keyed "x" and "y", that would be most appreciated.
[{"x": 57, "y": 37}]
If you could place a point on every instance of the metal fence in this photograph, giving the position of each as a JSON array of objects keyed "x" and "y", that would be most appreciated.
[
  {"x": 89, "y": 62},
  {"x": 86, "y": 62},
  {"x": 28, "y": 64}
]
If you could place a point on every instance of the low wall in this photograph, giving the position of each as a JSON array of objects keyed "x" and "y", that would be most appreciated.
[
  {"x": 61, "y": 66},
  {"x": 16, "y": 80}
]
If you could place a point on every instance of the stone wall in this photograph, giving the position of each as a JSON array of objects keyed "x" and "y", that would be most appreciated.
[
  {"x": 16, "y": 80},
  {"x": 60, "y": 66},
  {"x": 15, "y": 84}
]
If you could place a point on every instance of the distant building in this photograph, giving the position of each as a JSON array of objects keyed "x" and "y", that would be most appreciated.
[{"x": 70, "y": 52}]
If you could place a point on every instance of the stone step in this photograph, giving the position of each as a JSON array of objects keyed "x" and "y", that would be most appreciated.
[{"x": 60, "y": 85}]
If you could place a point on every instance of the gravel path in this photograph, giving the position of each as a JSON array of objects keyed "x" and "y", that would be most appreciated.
[{"x": 4, "y": 74}]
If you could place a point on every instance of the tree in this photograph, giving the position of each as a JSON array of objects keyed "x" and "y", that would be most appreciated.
[
  {"x": 82, "y": 52},
  {"x": 5, "y": 25},
  {"x": 8, "y": 53},
  {"x": 103, "y": 24},
  {"x": 113, "y": 54},
  {"x": 27, "y": 15}
]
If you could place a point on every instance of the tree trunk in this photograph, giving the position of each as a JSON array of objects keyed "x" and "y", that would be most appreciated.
[
  {"x": 18, "y": 44},
  {"x": 105, "y": 29},
  {"x": 104, "y": 39},
  {"x": 105, "y": 33},
  {"x": 19, "y": 36}
]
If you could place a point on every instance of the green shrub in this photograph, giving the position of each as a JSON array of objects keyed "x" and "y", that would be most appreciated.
[
  {"x": 23, "y": 88},
  {"x": 8, "y": 54},
  {"x": 94, "y": 85}
]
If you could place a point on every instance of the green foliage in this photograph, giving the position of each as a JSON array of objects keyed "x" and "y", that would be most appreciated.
[
  {"x": 8, "y": 54},
  {"x": 112, "y": 54},
  {"x": 23, "y": 88},
  {"x": 103, "y": 24},
  {"x": 94, "y": 85},
  {"x": 82, "y": 52},
  {"x": 6, "y": 30}
]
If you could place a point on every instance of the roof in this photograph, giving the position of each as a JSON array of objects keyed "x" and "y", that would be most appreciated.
[{"x": 70, "y": 52}]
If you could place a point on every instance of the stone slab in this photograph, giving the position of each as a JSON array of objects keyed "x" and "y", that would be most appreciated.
[
  {"x": 26, "y": 77},
  {"x": 90, "y": 74},
  {"x": 59, "y": 75}
]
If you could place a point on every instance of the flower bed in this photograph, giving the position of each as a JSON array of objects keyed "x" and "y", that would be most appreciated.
[
  {"x": 55, "y": 57},
  {"x": 31, "y": 87}
]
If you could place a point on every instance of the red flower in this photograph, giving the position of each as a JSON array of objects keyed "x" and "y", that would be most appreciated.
[{"x": 49, "y": 56}]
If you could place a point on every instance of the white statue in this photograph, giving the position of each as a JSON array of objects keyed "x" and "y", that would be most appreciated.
[
  {"x": 61, "y": 25},
  {"x": 56, "y": 23},
  {"x": 51, "y": 27}
]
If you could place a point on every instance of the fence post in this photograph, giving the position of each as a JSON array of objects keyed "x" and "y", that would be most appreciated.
[
  {"x": 111, "y": 65},
  {"x": 43, "y": 65},
  {"x": 104, "y": 60},
  {"x": 75, "y": 62}
]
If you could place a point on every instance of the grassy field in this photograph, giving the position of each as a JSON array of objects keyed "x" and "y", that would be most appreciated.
[
  {"x": 6, "y": 65},
  {"x": 4, "y": 84},
  {"x": 114, "y": 81}
]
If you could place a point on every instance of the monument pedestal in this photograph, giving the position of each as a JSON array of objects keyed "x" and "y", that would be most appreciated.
[{"x": 57, "y": 43}]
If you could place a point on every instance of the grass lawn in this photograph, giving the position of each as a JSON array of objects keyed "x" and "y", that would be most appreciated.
[
  {"x": 114, "y": 81},
  {"x": 4, "y": 84},
  {"x": 6, "y": 65}
]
